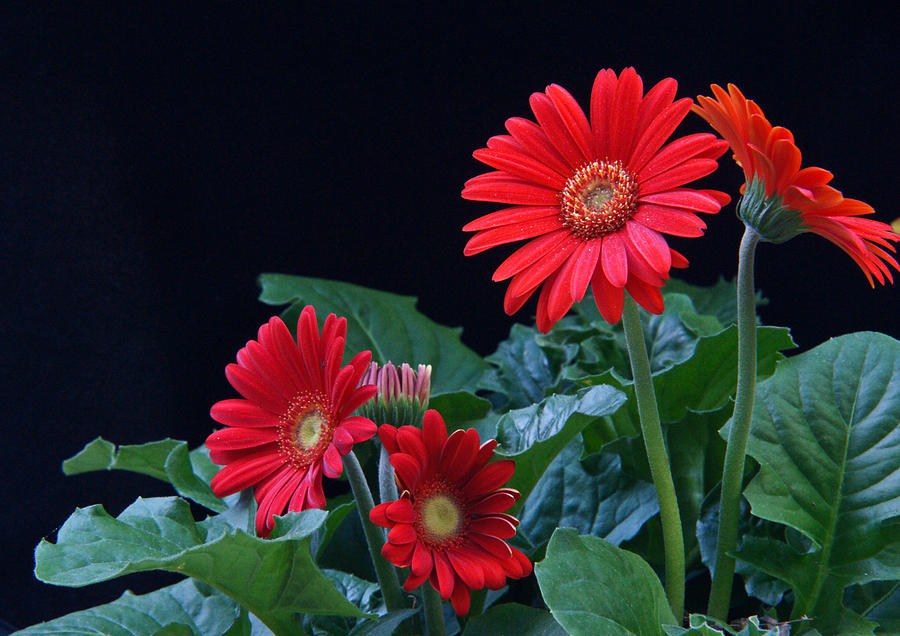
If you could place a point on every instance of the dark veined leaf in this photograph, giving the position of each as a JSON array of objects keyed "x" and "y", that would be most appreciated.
[
  {"x": 533, "y": 436},
  {"x": 878, "y": 601},
  {"x": 525, "y": 365},
  {"x": 274, "y": 578},
  {"x": 364, "y": 594},
  {"x": 529, "y": 365},
  {"x": 758, "y": 584},
  {"x": 702, "y": 626},
  {"x": 462, "y": 409},
  {"x": 593, "y": 587},
  {"x": 825, "y": 433},
  {"x": 167, "y": 460},
  {"x": 512, "y": 619},
  {"x": 707, "y": 380},
  {"x": 386, "y": 324},
  {"x": 190, "y": 607},
  {"x": 593, "y": 496},
  {"x": 384, "y": 625},
  {"x": 696, "y": 455},
  {"x": 719, "y": 299}
]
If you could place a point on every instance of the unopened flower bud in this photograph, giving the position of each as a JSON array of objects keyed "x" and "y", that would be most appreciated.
[{"x": 402, "y": 393}]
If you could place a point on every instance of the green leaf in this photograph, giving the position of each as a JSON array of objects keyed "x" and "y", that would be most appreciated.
[
  {"x": 878, "y": 601},
  {"x": 384, "y": 625},
  {"x": 189, "y": 606},
  {"x": 825, "y": 433},
  {"x": 759, "y": 584},
  {"x": 533, "y": 436},
  {"x": 707, "y": 380},
  {"x": 523, "y": 368},
  {"x": 460, "y": 409},
  {"x": 593, "y": 496},
  {"x": 701, "y": 626},
  {"x": 593, "y": 587},
  {"x": 696, "y": 455},
  {"x": 512, "y": 619},
  {"x": 528, "y": 365},
  {"x": 364, "y": 594},
  {"x": 386, "y": 324},
  {"x": 274, "y": 578},
  {"x": 719, "y": 300},
  {"x": 167, "y": 460}
]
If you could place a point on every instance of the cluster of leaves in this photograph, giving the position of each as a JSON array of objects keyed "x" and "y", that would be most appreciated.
[{"x": 819, "y": 538}]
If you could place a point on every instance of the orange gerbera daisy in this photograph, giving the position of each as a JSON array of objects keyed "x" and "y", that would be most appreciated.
[
  {"x": 295, "y": 423},
  {"x": 594, "y": 197},
  {"x": 449, "y": 524},
  {"x": 781, "y": 199}
]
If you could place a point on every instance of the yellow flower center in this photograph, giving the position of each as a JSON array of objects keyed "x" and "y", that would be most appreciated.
[
  {"x": 310, "y": 428},
  {"x": 598, "y": 199},
  {"x": 306, "y": 429},
  {"x": 441, "y": 517}
]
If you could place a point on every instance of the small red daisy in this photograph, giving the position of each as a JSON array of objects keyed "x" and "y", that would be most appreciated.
[
  {"x": 593, "y": 198},
  {"x": 295, "y": 422},
  {"x": 449, "y": 524}
]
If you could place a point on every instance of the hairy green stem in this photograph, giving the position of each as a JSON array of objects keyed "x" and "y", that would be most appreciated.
[
  {"x": 651, "y": 430},
  {"x": 387, "y": 485},
  {"x": 387, "y": 575},
  {"x": 736, "y": 451},
  {"x": 434, "y": 611}
]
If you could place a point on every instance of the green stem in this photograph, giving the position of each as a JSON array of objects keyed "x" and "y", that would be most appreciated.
[
  {"x": 434, "y": 611},
  {"x": 387, "y": 485},
  {"x": 673, "y": 540},
  {"x": 387, "y": 575},
  {"x": 736, "y": 451}
]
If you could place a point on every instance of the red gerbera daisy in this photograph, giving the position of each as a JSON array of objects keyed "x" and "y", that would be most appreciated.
[
  {"x": 594, "y": 197},
  {"x": 295, "y": 423},
  {"x": 800, "y": 197},
  {"x": 449, "y": 524}
]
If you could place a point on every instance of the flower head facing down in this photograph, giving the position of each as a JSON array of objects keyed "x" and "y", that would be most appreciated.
[
  {"x": 449, "y": 524},
  {"x": 295, "y": 422},
  {"x": 593, "y": 198},
  {"x": 781, "y": 199}
]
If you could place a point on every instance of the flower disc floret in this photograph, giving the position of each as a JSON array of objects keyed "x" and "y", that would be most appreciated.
[
  {"x": 449, "y": 524},
  {"x": 295, "y": 421}
]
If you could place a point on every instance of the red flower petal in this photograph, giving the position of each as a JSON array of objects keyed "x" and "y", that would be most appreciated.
[
  {"x": 422, "y": 561},
  {"x": 535, "y": 141},
  {"x": 511, "y": 216},
  {"x": 378, "y": 515},
  {"x": 529, "y": 254},
  {"x": 434, "y": 434},
  {"x": 490, "y": 477},
  {"x": 623, "y": 115},
  {"x": 461, "y": 600},
  {"x": 407, "y": 468},
  {"x": 402, "y": 533},
  {"x": 495, "y": 526},
  {"x": 487, "y": 239},
  {"x": 444, "y": 572},
  {"x": 243, "y": 413},
  {"x": 650, "y": 245},
  {"x": 609, "y": 298},
  {"x": 238, "y": 438},
  {"x": 331, "y": 462},
  {"x": 400, "y": 511},
  {"x": 614, "y": 260}
]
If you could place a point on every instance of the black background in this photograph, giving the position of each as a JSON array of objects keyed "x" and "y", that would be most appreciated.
[{"x": 155, "y": 158}]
